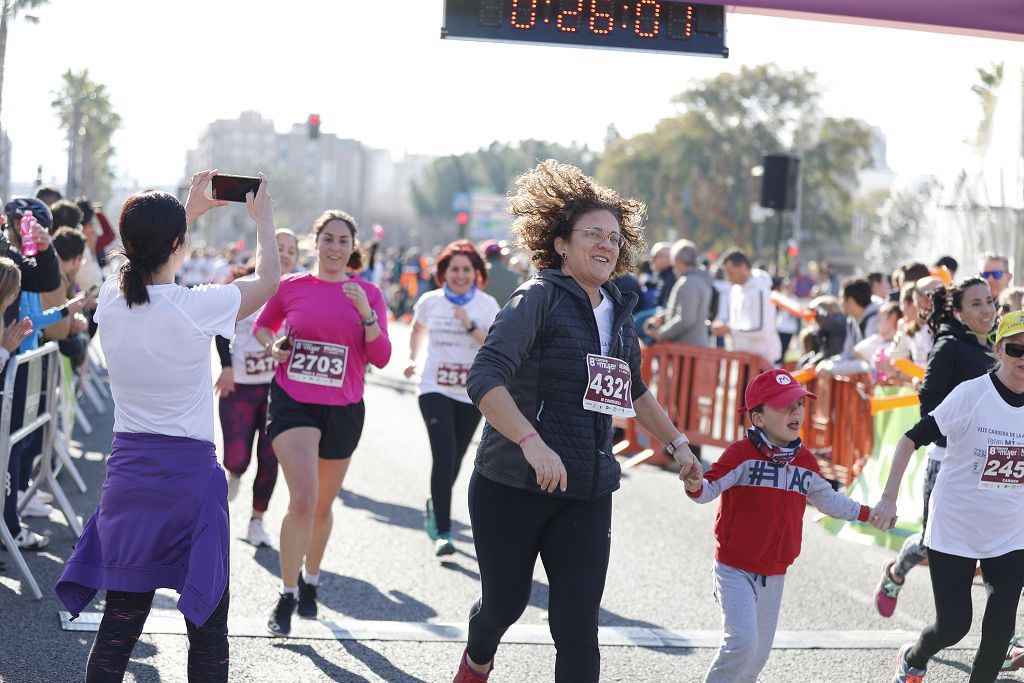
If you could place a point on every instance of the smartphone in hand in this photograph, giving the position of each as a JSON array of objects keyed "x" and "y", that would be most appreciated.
[{"x": 233, "y": 188}]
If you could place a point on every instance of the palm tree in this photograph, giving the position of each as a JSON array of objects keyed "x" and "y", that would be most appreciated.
[
  {"x": 84, "y": 111},
  {"x": 9, "y": 10}
]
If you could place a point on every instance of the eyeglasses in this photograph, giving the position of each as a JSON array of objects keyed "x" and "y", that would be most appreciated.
[
  {"x": 596, "y": 235},
  {"x": 993, "y": 274},
  {"x": 1013, "y": 350}
]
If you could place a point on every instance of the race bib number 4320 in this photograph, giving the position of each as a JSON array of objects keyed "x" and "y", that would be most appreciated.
[
  {"x": 315, "y": 362},
  {"x": 608, "y": 386},
  {"x": 1004, "y": 468}
]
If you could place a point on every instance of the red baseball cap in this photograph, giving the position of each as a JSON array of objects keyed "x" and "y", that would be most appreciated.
[{"x": 776, "y": 388}]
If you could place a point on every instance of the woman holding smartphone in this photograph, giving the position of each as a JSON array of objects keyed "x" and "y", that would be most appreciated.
[
  {"x": 162, "y": 520},
  {"x": 336, "y": 324}
]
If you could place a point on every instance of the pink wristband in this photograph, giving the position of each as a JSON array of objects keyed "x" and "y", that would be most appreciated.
[{"x": 528, "y": 436}]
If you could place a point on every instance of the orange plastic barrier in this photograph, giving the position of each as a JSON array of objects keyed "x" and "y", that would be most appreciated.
[
  {"x": 880, "y": 404},
  {"x": 793, "y": 307},
  {"x": 909, "y": 367},
  {"x": 700, "y": 388}
]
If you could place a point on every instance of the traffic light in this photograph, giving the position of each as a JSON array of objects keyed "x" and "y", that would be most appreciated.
[
  {"x": 314, "y": 126},
  {"x": 462, "y": 218}
]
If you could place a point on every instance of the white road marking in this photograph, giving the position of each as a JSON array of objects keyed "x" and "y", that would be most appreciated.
[{"x": 171, "y": 622}]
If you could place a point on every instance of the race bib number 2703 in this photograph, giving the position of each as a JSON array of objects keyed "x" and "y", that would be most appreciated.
[
  {"x": 608, "y": 386},
  {"x": 1004, "y": 468},
  {"x": 315, "y": 362}
]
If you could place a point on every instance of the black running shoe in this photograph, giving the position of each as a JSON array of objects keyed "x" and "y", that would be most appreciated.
[
  {"x": 307, "y": 600},
  {"x": 280, "y": 621}
]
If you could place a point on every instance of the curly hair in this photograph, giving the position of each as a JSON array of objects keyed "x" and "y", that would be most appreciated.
[{"x": 549, "y": 199}]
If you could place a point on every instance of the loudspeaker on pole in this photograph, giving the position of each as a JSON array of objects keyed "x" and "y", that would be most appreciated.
[{"x": 779, "y": 181}]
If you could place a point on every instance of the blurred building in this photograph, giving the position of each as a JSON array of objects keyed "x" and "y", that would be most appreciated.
[{"x": 308, "y": 175}]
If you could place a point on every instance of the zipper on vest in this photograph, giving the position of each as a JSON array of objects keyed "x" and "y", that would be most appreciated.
[{"x": 540, "y": 410}]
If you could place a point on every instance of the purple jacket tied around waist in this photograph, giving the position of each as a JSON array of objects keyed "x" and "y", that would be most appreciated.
[{"x": 162, "y": 522}]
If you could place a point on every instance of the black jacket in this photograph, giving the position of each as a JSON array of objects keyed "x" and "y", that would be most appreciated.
[
  {"x": 537, "y": 349},
  {"x": 955, "y": 358}
]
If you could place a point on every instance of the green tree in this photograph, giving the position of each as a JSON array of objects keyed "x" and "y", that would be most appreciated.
[
  {"x": 85, "y": 113},
  {"x": 694, "y": 169},
  {"x": 489, "y": 169},
  {"x": 9, "y": 11}
]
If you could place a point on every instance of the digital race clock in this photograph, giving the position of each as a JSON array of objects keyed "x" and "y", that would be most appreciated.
[{"x": 650, "y": 25}]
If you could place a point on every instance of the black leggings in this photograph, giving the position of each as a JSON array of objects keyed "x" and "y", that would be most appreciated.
[
  {"x": 123, "y": 619},
  {"x": 952, "y": 577},
  {"x": 450, "y": 427},
  {"x": 573, "y": 538}
]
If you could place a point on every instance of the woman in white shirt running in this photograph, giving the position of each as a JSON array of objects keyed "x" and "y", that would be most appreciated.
[
  {"x": 976, "y": 511},
  {"x": 454, "y": 321}
]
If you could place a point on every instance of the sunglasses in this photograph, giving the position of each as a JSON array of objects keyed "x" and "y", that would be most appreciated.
[
  {"x": 1013, "y": 350},
  {"x": 993, "y": 274}
]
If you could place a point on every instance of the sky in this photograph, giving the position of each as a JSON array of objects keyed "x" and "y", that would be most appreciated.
[{"x": 377, "y": 71}]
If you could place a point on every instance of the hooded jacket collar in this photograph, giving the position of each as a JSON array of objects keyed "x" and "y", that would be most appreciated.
[
  {"x": 569, "y": 284},
  {"x": 958, "y": 330}
]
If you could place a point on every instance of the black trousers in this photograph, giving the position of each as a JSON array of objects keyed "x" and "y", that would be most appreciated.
[
  {"x": 511, "y": 527},
  {"x": 450, "y": 427},
  {"x": 123, "y": 619},
  {"x": 952, "y": 577}
]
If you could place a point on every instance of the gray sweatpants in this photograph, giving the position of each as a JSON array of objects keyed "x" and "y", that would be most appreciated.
[{"x": 750, "y": 612}]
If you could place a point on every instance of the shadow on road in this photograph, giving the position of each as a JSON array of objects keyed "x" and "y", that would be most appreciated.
[
  {"x": 332, "y": 671},
  {"x": 378, "y": 663},
  {"x": 398, "y": 515}
]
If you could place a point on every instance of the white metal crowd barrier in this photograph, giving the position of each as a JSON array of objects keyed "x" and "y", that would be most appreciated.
[{"x": 42, "y": 408}]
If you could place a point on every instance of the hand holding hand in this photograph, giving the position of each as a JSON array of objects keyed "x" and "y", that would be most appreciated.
[
  {"x": 15, "y": 333},
  {"x": 546, "y": 463},
  {"x": 260, "y": 206},
  {"x": 225, "y": 383},
  {"x": 883, "y": 514},
  {"x": 198, "y": 202}
]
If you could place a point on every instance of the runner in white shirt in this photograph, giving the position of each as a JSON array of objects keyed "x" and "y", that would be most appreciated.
[
  {"x": 976, "y": 512},
  {"x": 454, "y": 321},
  {"x": 243, "y": 385}
]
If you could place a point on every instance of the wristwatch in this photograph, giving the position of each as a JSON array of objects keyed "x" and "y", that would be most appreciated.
[
  {"x": 676, "y": 443},
  {"x": 472, "y": 327}
]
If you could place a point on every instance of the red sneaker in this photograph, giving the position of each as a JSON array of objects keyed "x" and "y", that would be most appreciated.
[
  {"x": 888, "y": 592},
  {"x": 467, "y": 675}
]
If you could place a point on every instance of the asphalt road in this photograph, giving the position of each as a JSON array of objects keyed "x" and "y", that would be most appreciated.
[{"x": 380, "y": 568}]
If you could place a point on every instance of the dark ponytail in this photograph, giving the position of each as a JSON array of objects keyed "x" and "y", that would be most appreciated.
[
  {"x": 355, "y": 260},
  {"x": 152, "y": 226},
  {"x": 947, "y": 300}
]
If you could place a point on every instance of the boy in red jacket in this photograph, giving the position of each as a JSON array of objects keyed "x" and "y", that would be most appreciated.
[{"x": 765, "y": 481}]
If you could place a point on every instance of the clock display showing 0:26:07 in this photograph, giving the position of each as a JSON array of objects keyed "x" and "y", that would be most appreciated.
[{"x": 645, "y": 17}]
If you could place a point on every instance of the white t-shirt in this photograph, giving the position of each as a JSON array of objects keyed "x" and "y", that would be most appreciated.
[
  {"x": 450, "y": 349},
  {"x": 604, "y": 314},
  {"x": 964, "y": 519},
  {"x": 158, "y": 356}
]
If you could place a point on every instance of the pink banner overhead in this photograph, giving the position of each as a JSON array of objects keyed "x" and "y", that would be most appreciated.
[{"x": 990, "y": 18}]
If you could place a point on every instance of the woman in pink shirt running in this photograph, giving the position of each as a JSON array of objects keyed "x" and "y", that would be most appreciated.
[{"x": 336, "y": 324}]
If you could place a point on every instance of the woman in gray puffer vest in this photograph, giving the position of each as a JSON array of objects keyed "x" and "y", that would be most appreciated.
[{"x": 561, "y": 360}]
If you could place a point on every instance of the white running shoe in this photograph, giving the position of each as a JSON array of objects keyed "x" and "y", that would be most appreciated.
[
  {"x": 44, "y": 496},
  {"x": 257, "y": 535},
  {"x": 233, "y": 482},
  {"x": 35, "y": 507}
]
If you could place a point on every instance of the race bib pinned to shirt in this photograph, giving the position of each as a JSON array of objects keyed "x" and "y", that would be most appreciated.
[
  {"x": 314, "y": 362},
  {"x": 1004, "y": 468},
  {"x": 452, "y": 375},
  {"x": 608, "y": 386},
  {"x": 258, "y": 363}
]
